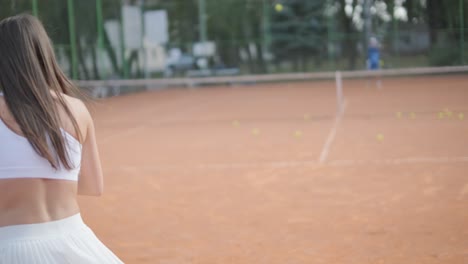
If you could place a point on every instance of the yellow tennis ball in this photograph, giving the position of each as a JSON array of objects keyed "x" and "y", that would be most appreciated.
[
  {"x": 255, "y": 131},
  {"x": 461, "y": 116},
  {"x": 399, "y": 114},
  {"x": 412, "y": 115},
  {"x": 380, "y": 137},
  {"x": 279, "y": 7},
  {"x": 298, "y": 134},
  {"x": 441, "y": 115},
  {"x": 448, "y": 113}
]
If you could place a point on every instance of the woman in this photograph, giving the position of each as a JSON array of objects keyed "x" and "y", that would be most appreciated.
[{"x": 48, "y": 155}]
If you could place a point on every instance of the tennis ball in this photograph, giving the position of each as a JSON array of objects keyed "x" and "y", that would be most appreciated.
[
  {"x": 255, "y": 132},
  {"x": 298, "y": 134},
  {"x": 448, "y": 113},
  {"x": 412, "y": 115},
  {"x": 441, "y": 115},
  {"x": 279, "y": 7},
  {"x": 399, "y": 115},
  {"x": 235, "y": 123},
  {"x": 461, "y": 116},
  {"x": 380, "y": 137}
]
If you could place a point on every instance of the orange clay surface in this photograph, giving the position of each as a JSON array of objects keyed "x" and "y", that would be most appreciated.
[{"x": 233, "y": 174}]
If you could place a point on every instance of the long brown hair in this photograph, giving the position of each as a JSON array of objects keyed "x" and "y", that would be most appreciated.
[{"x": 29, "y": 74}]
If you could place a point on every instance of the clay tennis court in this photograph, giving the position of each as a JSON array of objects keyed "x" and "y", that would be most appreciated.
[{"x": 270, "y": 173}]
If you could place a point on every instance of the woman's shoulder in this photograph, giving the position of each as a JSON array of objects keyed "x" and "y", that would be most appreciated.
[
  {"x": 79, "y": 111},
  {"x": 76, "y": 106}
]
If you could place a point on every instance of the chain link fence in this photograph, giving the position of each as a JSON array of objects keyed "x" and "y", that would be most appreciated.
[{"x": 101, "y": 39}]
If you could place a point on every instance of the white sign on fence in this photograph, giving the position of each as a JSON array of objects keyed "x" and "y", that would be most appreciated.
[
  {"x": 156, "y": 27},
  {"x": 204, "y": 49},
  {"x": 133, "y": 34}
]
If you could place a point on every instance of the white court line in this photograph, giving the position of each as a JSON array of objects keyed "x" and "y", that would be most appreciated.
[
  {"x": 332, "y": 134},
  {"x": 398, "y": 161},
  {"x": 299, "y": 164},
  {"x": 335, "y": 163},
  {"x": 273, "y": 165}
]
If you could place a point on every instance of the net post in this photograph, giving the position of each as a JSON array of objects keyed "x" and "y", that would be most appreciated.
[{"x": 339, "y": 91}]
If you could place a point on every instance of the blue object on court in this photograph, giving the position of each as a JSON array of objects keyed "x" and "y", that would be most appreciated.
[{"x": 373, "y": 55}]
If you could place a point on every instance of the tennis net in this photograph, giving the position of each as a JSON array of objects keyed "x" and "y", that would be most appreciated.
[{"x": 417, "y": 88}]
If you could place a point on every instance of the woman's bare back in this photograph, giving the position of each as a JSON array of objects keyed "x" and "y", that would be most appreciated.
[{"x": 37, "y": 200}]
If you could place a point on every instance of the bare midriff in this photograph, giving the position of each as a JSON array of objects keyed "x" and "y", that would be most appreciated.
[{"x": 31, "y": 201}]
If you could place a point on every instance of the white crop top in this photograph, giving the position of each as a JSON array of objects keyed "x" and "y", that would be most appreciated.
[{"x": 18, "y": 159}]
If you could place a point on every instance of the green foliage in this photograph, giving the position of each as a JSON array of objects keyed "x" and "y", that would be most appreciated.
[
  {"x": 297, "y": 33},
  {"x": 299, "y": 29},
  {"x": 444, "y": 54},
  {"x": 237, "y": 25}
]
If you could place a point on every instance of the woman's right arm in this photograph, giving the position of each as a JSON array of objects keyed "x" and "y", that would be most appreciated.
[{"x": 90, "y": 181}]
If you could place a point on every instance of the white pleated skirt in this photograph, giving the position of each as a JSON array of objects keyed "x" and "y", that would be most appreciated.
[{"x": 66, "y": 241}]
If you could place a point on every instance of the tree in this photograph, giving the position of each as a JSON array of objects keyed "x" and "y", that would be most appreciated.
[
  {"x": 444, "y": 26},
  {"x": 237, "y": 27},
  {"x": 299, "y": 31}
]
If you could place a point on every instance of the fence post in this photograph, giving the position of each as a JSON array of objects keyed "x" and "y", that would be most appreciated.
[
  {"x": 100, "y": 31},
  {"x": 266, "y": 26},
  {"x": 143, "y": 45},
  {"x": 367, "y": 23},
  {"x": 35, "y": 8},
  {"x": 462, "y": 32},
  {"x": 396, "y": 37},
  {"x": 122, "y": 41},
  {"x": 71, "y": 25},
  {"x": 330, "y": 38},
  {"x": 202, "y": 17}
]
